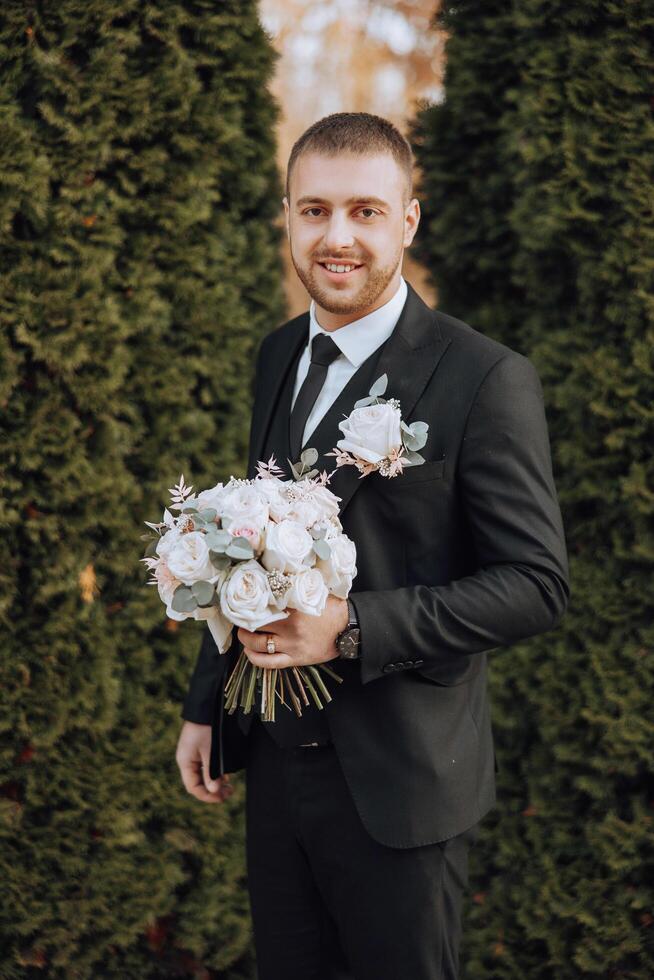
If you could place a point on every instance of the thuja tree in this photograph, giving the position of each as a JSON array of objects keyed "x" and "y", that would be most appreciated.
[
  {"x": 139, "y": 271},
  {"x": 560, "y": 164}
]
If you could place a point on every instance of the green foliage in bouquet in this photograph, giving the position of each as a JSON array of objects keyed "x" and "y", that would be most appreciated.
[
  {"x": 139, "y": 271},
  {"x": 538, "y": 228}
]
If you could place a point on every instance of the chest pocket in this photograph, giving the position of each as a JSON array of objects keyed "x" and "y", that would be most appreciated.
[{"x": 432, "y": 469}]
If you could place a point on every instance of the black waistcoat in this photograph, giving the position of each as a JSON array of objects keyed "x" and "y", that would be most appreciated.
[{"x": 313, "y": 726}]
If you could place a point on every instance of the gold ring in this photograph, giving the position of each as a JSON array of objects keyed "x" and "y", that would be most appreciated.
[{"x": 270, "y": 644}]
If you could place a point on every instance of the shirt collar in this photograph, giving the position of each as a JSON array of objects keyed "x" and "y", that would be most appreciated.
[{"x": 357, "y": 340}]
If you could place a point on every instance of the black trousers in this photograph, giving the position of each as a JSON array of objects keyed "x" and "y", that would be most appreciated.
[{"x": 328, "y": 901}]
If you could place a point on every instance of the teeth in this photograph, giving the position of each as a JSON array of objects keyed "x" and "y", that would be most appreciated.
[{"x": 339, "y": 268}]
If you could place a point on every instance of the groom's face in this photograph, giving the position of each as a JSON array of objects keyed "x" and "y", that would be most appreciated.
[{"x": 349, "y": 210}]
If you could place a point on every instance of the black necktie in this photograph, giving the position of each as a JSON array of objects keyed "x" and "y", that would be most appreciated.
[{"x": 323, "y": 352}]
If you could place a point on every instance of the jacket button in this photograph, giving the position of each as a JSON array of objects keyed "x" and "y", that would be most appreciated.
[
  {"x": 416, "y": 663},
  {"x": 387, "y": 668}
]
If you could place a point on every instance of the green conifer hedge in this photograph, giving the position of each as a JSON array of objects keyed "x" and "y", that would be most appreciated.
[
  {"x": 538, "y": 229},
  {"x": 139, "y": 271}
]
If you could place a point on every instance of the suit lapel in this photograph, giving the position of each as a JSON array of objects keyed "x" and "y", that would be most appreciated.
[
  {"x": 409, "y": 358},
  {"x": 273, "y": 375}
]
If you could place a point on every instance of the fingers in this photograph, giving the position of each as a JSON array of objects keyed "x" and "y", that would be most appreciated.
[
  {"x": 197, "y": 782},
  {"x": 253, "y": 641},
  {"x": 255, "y": 646},
  {"x": 215, "y": 785},
  {"x": 269, "y": 659},
  {"x": 191, "y": 773}
]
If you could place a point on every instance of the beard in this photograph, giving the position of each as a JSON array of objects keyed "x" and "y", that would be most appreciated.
[{"x": 375, "y": 283}]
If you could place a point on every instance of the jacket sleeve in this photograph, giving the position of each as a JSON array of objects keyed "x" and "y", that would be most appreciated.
[
  {"x": 520, "y": 587},
  {"x": 199, "y": 702},
  {"x": 209, "y": 668}
]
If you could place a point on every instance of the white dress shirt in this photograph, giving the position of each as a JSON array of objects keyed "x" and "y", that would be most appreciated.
[{"x": 357, "y": 341}]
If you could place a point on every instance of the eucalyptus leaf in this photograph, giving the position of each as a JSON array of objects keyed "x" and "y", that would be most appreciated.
[
  {"x": 418, "y": 427},
  {"x": 217, "y": 539},
  {"x": 322, "y": 549},
  {"x": 189, "y": 510},
  {"x": 203, "y": 592},
  {"x": 219, "y": 560},
  {"x": 318, "y": 532},
  {"x": 414, "y": 458},
  {"x": 416, "y": 441},
  {"x": 209, "y": 514},
  {"x": 183, "y": 600},
  {"x": 151, "y": 550},
  {"x": 363, "y": 402},
  {"x": 240, "y": 548},
  {"x": 309, "y": 456},
  {"x": 379, "y": 386}
]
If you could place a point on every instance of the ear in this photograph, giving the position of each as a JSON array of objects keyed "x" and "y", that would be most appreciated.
[
  {"x": 287, "y": 216},
  {"x": 411, "y": 221}
]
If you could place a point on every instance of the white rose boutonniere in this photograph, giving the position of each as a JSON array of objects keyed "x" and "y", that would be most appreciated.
[{"x": 375, "y": 437}]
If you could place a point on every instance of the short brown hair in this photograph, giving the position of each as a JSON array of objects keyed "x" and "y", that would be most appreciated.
[{"x": 354, "y": 132}]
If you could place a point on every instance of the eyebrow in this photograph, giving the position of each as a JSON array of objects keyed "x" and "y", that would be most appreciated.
[{"x": 351, "y": 200}]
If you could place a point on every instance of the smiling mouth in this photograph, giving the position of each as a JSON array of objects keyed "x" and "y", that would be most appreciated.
[{"x": 340, "y": 268}]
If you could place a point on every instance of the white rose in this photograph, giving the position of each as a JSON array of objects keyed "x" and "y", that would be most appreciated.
[
  {"x": 166, "y": 581},
  {"x": 271, "y": 488},
  {"x": 308, "y": 593},
  {"x": 304, "y": 512},
  {"x": 246, "y": 599},
  {"x": 310, "y": 502},
  {"x": 371, "y": 432},
  {"x": 167, "y": 542},
  {"x": 317, "y": 503},
  {"x": 243, "y": 504},
  {"x": 340, "y": 568},
  {"x": 209, "y": 498},
  {"x": 326, "y": 500},
  {"x": 189, "y": 559},
  {"x": 331, "y": 527},
  {"x": 289, "y": 547},
  {"x": 279, "y": 506}
]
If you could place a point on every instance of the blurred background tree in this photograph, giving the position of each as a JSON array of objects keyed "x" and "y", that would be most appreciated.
[
  {"x": 357, "y": 56},
  {"x": 140, "y": 224},
  {"x": 140, "y": 270},
  {"x": 538, "y": 229}
]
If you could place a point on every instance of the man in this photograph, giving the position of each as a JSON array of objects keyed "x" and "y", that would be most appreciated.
[{"x": 359, "y": 817}]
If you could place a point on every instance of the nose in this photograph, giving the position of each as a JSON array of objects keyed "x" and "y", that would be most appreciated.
[{"x": 338, "y": 233}]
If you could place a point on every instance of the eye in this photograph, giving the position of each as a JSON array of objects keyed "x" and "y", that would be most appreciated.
[
  {"x": 371, "y": 212},
  {"x": 309, "y": 210}
]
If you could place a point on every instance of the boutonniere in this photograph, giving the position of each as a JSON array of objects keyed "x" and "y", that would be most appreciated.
[{"x": 375, "y": 437}]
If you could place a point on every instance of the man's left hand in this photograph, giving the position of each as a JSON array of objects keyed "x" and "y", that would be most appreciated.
[{"x": 300, "y": 639}]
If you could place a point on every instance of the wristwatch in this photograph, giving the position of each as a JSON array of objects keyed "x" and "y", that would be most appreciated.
[{"x": 347, "y": 641}]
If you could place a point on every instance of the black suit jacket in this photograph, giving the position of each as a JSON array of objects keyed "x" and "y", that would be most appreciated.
[{"x": 456, "y": 557}]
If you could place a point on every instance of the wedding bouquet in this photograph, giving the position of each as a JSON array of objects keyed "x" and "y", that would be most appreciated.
[{"x": 243, "y": 554}]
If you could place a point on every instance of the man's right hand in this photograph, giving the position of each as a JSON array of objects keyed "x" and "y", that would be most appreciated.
[{"x": 192, "y": 757}]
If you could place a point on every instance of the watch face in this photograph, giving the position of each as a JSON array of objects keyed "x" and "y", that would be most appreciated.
[{"x": 348, "y": 643}]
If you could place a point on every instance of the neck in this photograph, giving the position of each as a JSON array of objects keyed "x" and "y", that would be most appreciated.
[{"x": 332, "y": 321}]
